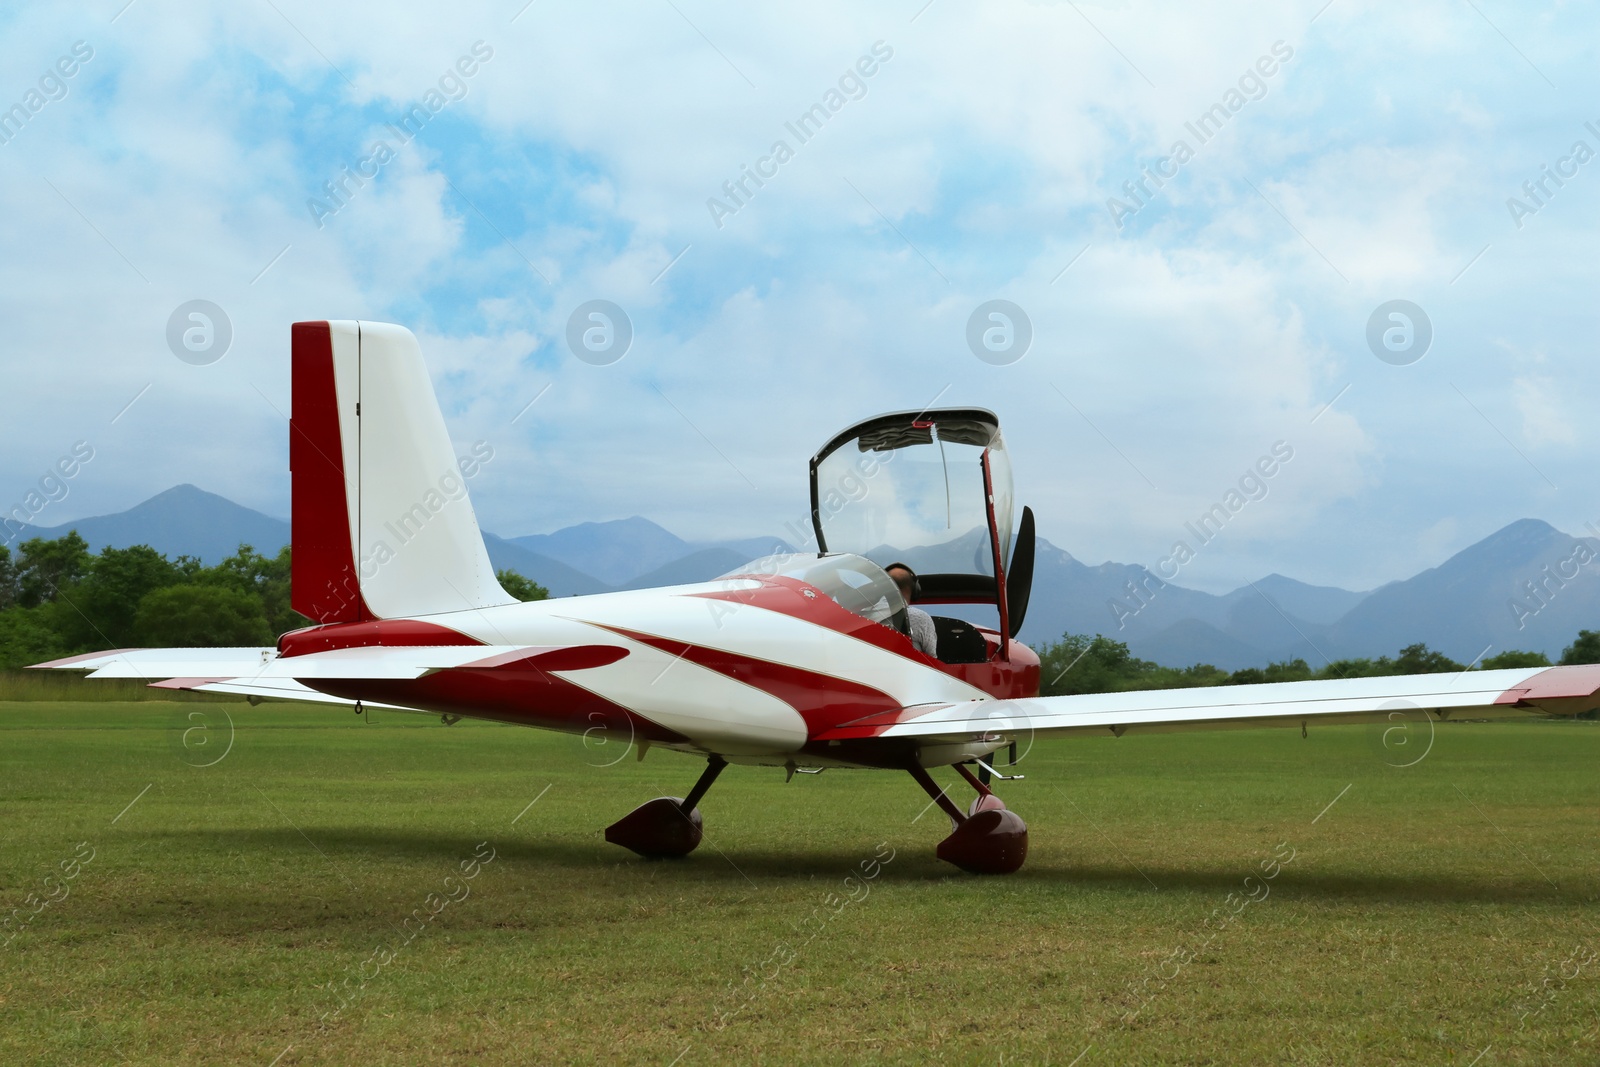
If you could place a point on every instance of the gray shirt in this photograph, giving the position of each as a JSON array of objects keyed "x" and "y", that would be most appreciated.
[{"x": 924, "y": 638}]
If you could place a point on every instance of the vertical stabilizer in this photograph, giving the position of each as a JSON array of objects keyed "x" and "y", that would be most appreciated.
[{"x": 382, "y": 524}]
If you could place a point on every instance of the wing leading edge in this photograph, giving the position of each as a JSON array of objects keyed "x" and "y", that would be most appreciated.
[{"x": 1518, "y": 693}]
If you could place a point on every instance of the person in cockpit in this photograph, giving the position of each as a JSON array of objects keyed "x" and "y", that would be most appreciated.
[{"x": 924, "y": 638}]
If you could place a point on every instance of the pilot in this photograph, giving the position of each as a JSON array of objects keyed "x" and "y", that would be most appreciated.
[{"x": 924, "y": 638}]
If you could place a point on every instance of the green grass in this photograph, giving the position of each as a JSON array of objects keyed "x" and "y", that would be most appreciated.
[{"x": 1415, "y": 923}]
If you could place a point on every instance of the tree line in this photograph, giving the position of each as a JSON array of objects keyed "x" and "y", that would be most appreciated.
[{"x": 59, "y": 599}]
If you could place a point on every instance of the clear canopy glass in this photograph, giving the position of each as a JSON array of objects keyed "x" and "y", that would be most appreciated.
[
  {"x": 856, "y": 584},
  {"x": 915, "y": 493}
]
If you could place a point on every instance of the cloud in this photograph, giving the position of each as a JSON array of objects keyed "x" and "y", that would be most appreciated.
[
  {"x": 577, "y": 165},
  {"x": 1545, "y": 420}
]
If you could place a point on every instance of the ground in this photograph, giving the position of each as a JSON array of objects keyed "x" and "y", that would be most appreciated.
[{"x": 332, "y": 891}]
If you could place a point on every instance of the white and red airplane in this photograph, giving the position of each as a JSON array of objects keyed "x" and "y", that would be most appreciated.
[{"x": 801, "y": 661}]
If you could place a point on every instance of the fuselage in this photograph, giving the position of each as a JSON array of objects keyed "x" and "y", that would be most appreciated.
[{"x": 751, "y": 668}]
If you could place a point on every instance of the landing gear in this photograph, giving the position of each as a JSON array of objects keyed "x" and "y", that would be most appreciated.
[
  {"x": 988, "y": 839},
  {"x": 666, "y": 827}
]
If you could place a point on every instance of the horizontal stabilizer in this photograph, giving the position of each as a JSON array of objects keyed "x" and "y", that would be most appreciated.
[
  {"x": 274, "y": 689},
  {"x": 402, "y": 662}
]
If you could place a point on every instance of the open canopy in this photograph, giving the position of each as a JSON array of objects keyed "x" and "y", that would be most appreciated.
[{"x": 931, "y": 489}]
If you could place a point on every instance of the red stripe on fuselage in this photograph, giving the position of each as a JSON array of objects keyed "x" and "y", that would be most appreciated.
[
  {"x": 324, "y": 584},
  {"x": 522, "y": 698},
  {"x": 390, "y": 633},
  {"x": 1006, "y": 679},
  {"x": 822, "y": 700}
]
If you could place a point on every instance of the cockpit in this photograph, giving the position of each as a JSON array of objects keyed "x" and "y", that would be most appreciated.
[
  {"x": 931, "y": 489},
  {"x": 854, "y": 583}
]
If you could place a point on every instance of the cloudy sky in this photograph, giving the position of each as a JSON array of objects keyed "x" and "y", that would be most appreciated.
[{"x": 1333, "y": 159}]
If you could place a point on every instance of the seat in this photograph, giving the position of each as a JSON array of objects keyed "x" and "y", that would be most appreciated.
[{"x": 959, "y": 641}]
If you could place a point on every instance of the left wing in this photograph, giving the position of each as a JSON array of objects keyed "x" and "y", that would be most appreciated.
[
  {"x": 263, "y": 674},
  {"x": 363, "y": 662},
  {"x": 1518, "y": 693},
  {"x": 370, "y": 661}
]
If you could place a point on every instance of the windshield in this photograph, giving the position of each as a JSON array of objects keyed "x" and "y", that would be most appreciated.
[
  {"x": 855, "y": 584},
  {"x": 916, "y": 495}
]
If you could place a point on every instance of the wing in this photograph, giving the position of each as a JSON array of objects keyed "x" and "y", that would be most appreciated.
[
  {"x": 1539, "y": 691},
  {"x": 262, "y": 673}
]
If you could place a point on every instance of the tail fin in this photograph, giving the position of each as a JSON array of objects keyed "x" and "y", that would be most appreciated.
[{"x": 381, "y": 523}]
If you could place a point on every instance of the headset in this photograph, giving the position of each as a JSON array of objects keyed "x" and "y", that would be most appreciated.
[{"x": 916, "y": 583}]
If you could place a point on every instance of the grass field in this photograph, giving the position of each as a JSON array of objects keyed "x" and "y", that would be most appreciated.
[{"x": 256, "y": 910}]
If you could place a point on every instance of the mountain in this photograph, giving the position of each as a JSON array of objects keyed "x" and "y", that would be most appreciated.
[
  {"x": 751, "y": 548},
  {"x": 1313, "y": 603},
  {"x": 626, "y": 552},
  {"x": 701, "y": 566},
  {"x": 1193, "y": 641},
  {"x": 554, "y": 575},
  {"x": 186, "y": 520},
  {"x": 182, "y": 521},
  {"x": 1125, "y": 602},
  {"x": 613, "y": 552},
  {"x": 1158, "y": 620},
  {"x": 1527, "y": 586}
]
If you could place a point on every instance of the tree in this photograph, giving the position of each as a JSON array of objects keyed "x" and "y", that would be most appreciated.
[
  {"x": 1195, "y": 674},
  {"x": 1082, "y": 664},
  {"x": 523, "y": 589},
  {"x": 1513, "y": 658},
  {"x": 196, "y": 614},
  {"x": 1420, "y": 659},
  {"x": 8, "y": 579},
  {"x": 47, "y": 566},
  {"x": 105, "y": 600},
  {"x": 1586, "y": 649},
  {"x": 25, "y": 639},
  {"x": 1294, "y": 670},
  {"x": 1358, "y": 668},
  {"x": 266, "y": 577}
]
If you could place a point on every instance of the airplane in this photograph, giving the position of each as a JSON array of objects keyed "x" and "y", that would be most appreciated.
[{"x": 802, "y": 660}]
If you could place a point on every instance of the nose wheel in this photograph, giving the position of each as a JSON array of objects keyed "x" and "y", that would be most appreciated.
[
  {"x": 666, "y": 827},
  {"x": 988, "y": 838}
]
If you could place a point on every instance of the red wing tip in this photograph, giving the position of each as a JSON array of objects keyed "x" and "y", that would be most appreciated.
[
  {"x": 1556, "y": 683},
  {"x": 70, "y": 660}
]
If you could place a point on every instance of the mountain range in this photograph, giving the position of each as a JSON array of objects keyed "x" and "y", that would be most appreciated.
[{"x": 1527, "y": 586}]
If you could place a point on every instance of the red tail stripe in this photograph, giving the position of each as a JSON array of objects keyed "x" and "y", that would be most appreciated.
[{"x": 324, "y": 584}]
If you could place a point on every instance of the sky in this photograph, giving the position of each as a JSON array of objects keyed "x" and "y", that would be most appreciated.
[{"x": 1199, "y": 217}]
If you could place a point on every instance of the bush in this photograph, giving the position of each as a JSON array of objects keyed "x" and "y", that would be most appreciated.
[
  {"x": 523, "y": 589},
  {"x": 195, "y": 615},
  {"x": 1513, "y": 658}
]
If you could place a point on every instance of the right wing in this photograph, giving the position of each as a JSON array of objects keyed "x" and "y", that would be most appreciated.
[{"x": 1517, "y": 693}]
